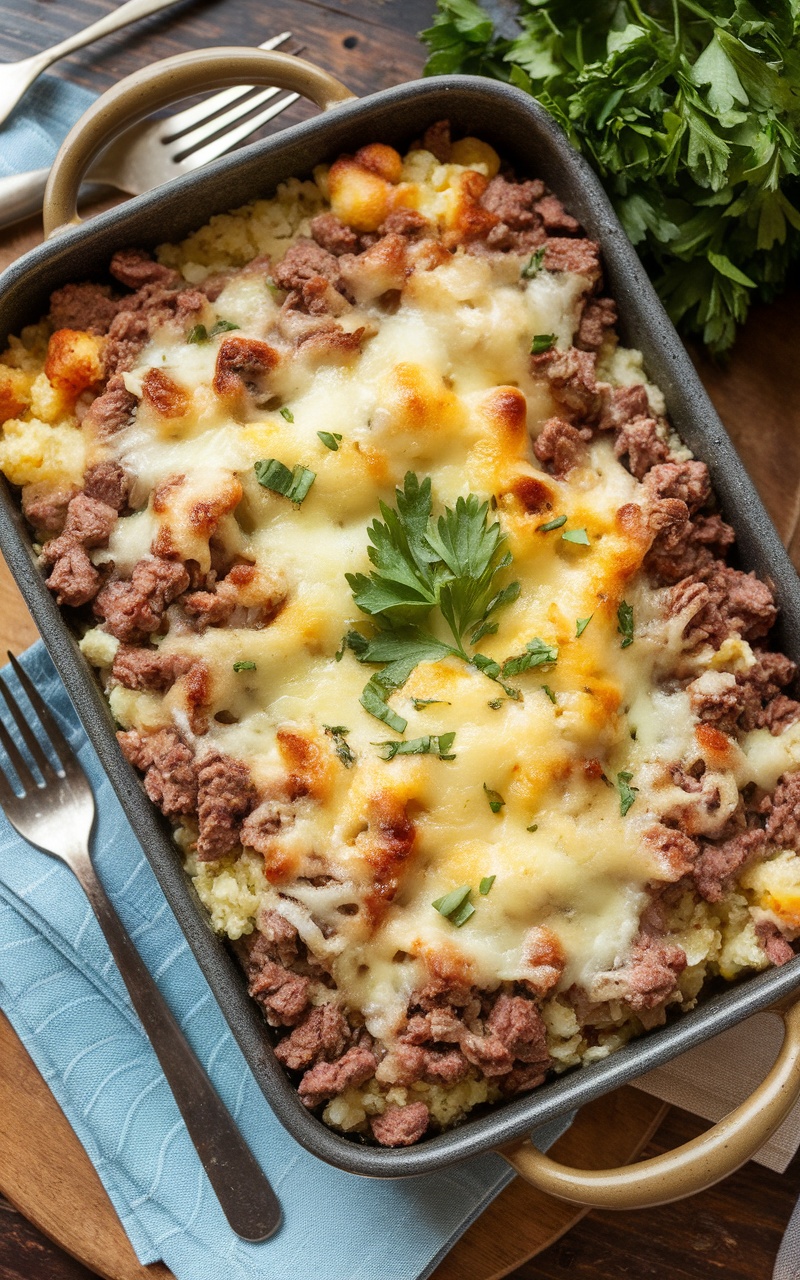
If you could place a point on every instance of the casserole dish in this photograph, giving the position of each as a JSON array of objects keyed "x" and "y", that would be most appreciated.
[{"x": 396, "y": 116}]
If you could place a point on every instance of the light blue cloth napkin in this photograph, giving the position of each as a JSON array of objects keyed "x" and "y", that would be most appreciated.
[
  {"x": 32, "y": 134},
  {"x": 64, "y": 996}
]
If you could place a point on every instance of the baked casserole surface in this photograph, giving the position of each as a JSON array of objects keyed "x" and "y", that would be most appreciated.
[{"x": 418, "y": 620}]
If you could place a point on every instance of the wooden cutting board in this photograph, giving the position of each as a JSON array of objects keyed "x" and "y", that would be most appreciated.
[{"x": 44, "y": 1170}]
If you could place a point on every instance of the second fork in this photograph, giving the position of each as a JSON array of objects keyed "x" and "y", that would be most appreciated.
[{"x": 155, "y": 151}]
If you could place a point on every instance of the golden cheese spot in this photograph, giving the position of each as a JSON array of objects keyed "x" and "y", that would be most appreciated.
[
  {"x": 416, "y": 400},
  {"x": 309, "y": 761},
  {"x": 14, "y": 392},
  {"x": 716, "y": 747},
  {"x": 205, "y": 515},
  {"x": 505, "y": 412},
  {"x": 472, "y": 152},
  {"x": 164, "y": 395},
  {"x": 360, "y": 198},
  {"x": 466, "y": 218},
  {"x": 382, "y": 160},
  {"x": 73, "y": 362}
]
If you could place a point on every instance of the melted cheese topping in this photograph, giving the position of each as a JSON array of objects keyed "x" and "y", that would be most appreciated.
[{"x": 442, "y": 387}]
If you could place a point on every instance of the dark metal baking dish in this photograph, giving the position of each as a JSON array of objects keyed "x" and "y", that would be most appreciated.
[{"x": 524, "y": 134}]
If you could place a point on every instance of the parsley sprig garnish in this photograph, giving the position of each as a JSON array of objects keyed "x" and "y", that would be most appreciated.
[{"x": 447, "y": 567}]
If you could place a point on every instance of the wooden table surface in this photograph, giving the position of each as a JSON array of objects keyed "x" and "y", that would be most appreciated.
[{"x": 733, "y": 1230}]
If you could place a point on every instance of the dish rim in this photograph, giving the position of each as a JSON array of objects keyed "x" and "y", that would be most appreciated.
[{"x": 521, "y": 130}]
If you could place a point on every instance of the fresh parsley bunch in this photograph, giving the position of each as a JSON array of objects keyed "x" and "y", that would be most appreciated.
[{"x": 689, "y": 112}]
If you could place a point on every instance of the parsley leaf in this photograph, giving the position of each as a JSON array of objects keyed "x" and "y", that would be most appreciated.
[
  {"x": 625, "y": 623},
  {"x": 338, "y": 733},
  {"x": 455, "y": 906},
  {"x": 496, "y": 801},
  {"x": 542, "y": 342},
  {"x": 330, "y": 439},
  {"x": 627, "y": 793},
  {"x": 534, "y": 264},
  {"x": 556, "y": 523},
  {"x": 198, "y": 334},
  {"x": 294, "y": 485},
  {"x": 579, "y": 536},
  {"x": 486, "y": 884},
  {"x": 537, "y": 654},
  {"x": 686, "y": 111},
  {"x": 429, "y": 745},
  {"x": 221, "y": 326},
  {"x": 286, "y": 413},
  {"x": 244, "y": 666},
  {"x": 581, "y": 624}
]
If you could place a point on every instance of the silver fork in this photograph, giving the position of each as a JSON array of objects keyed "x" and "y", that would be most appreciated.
[
  {"x": 57, "y": 816},
  {"x": 155, "y": 151}
]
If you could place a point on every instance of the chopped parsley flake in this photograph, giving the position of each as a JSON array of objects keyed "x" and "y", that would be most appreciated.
[
  {"x": 294, "y": 484},
  {"x": 244, "y": 666},
  {"x": 581, "y": 624},
  {"x": 625, "y": 623},
  {"x": 429, "y": 745},
  {"x": 338, "y": 732},
  {"x": 533, "y": 827},
  {"x": 542, "y": 342},
  {"x": 534, "y": 264},
  {"x": 373, "y": 699},
  {"x": 455, "y": 906},
  {"x": 580, "y": 536},
  {"x": 330, "y": 439},
  {"x": 222, "y": 326},
  {"x": 537, "y": 654},
  {"x": 556, "y": 523},
  {"x": 286, "y": 413},
  {"x": 486, "y": 884},
  {"x": 496, "y": 801},
  {"x": 198, "y": 334},
  {"x": 627, "y": 793},
  {"x": 495, "y": 704},
  {"x": 546, "y": 689},
  {"x": 421, "y": 703}
]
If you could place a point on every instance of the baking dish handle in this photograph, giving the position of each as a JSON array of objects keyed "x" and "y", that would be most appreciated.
[
  {"x": 690, "y": 1168},
  {"x": 157, "y": 86}
]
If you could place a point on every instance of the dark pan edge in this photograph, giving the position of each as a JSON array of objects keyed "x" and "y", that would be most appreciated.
[{"x": 523, "y": 131}]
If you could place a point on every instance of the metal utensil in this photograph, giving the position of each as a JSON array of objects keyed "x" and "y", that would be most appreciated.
[
  {"x": 57, "y": 815},
  {"x": 18, "y": 76},
  {"x": 157, "y": 150}
]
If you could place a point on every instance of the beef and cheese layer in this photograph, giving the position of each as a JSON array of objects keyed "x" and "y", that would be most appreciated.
[{"x": 418, "y": 621}]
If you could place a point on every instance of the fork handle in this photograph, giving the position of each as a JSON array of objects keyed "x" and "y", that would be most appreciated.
[
  {"x": 121, "y": 17},
  {"x": 22, "y": 194},
  {"x": 244, "y": 1194}
]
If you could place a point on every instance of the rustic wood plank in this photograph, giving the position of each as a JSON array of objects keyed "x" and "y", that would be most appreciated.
[{"x": 48, "y": 1176}]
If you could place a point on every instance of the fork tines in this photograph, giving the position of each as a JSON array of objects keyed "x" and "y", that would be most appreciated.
[{"x": 50, "y": 731}]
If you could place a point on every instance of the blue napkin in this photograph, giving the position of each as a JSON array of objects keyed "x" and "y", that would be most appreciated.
[
  {"x": 32, "y": 134},
  {"x": 67, "y": 1002}
]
